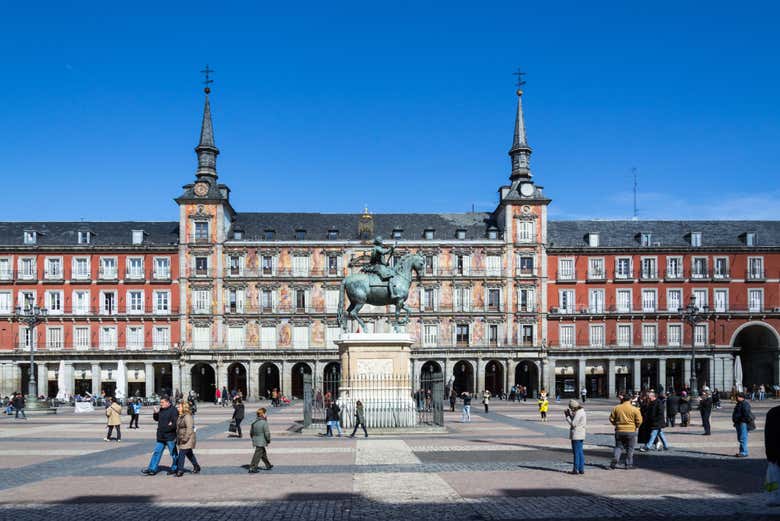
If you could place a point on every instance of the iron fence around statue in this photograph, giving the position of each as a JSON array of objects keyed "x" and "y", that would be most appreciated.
[{"x": 429, "y": 399}]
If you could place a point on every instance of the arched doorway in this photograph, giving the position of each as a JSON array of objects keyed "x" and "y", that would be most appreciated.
[
  {"x": 204, "y": 381},
  {"x": 494, "y": 377},
  {"x": 269, "y": 379},
  {"x": 463, "y": 373},
  {"x": 649, "y": 375},
  {"x": 758, "y": 349},
  {"x": 237, "y": 379},
  {"x": 427, "y": 371},
  {"x": 527, "y": 375},
  {"x": 296, "y": 378},
  {"x": 331, "y": 378}
]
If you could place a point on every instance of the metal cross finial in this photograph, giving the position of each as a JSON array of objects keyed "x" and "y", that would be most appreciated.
[
  {"x": 520, "y": 80},
  {"x": 207, "y": 73}
]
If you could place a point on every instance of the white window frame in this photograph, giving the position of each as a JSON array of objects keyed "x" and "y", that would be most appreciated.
[
  {"x": 50, "y": 274},
  {"x": 109, "y": 274},
  {"x": 752, "y": 273},
  {"x": 669, "y": 306},
  {"x": 55, "y": 338},
  {"x": 700, "y": 335},
  {"x": 265, "y": 341},
  {"x": 201, "y": 301},
  {"x": 301, "y": 336},
  {"x": 526, "y": 231},
  {"x": 715, "y": 273},
  {"x": 83, "y": 309},
  {"x": 32, "y": 272},
  {"x": 629, "y": 339},
  {"x": 76, "y": 272},
  {"x": 135, "y": 306},
  {"x": 567, "y": 335},
  {"x": 161, "y": 338},
  {"x": 108, "y": 338},
  {"x": 619, "y": 275},
  {"x": 699, "y": 275},
  {"x": 6, "y": 268},
  {"x": 671, "y": 272},
  {"x": 646, "y": 340},
  {"x": 236, "y": 337},
  {"x": 720, "y": 291},
  {"x": 597, "y": 335},
  {"x": 30, "y": 237},
  {"x": 570, "y": 304},
  {"x": 135, "y": 273},
  {"x": 596, "y": 300},
  {"x": 493, "y": 265},
  {"x": 696, "y": 239},
  {"x": 530, "y": 296},
  {"x": 6, "y": 302},
  {"x": 300, "y": 265},
  {"x": 646, "y": 307},
  {"x": 158, "y": 308},
  {"x": 618, "y": 292},
  {"x": 161, "y": 272},
  {"x": 134, "y": 337},
  {"x": 82, "y": 338},
  {"x": 593, "y": 240},
  {"x": 567, "y": 269},
  {"x": 700, "y": 297},
  {"x": 596, "y": 268},
  {"x": 755, "y": 306},
  {"x": 651, "y": 272},
  {"x": 680, "y": 332},
  {"x": 430, "y": 335},
  {"x": 524, "y": 272},
  {"x": 201, "y": 337},
  {"x": 461, "y": 298},
  {"x": 49, "y": 302}
]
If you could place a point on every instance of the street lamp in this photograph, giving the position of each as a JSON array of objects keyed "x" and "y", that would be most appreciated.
[
  {"x": 692, "y": 315},
  {"x": 31, "y": 316}
]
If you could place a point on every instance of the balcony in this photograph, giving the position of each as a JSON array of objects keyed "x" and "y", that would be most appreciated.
[
  {"x": 134, "y": 275},
  {"x": 161, "y": 275},
  {"x": 6, "y": 275},
  {"x": 566, "y": 276},
  {"x": 648, "y": 275},
  {"x": 526, "y": 272},
  {"x": 53, "y": 276},
  {"x": 700, "y": 275},
  {"x": 623, "y": 277},
  {"x": 721, "y": 276},
  {"x": 674, "y": 275},
  {"x": 107, "y": 274},
  {"x": 80, "y": 277},
  {"x": 597, "y": 276},
  {"x": 756, "y": 275},
  {"x": 26, "y": 276}
]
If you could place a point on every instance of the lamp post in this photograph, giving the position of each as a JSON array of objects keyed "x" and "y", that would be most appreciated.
[
  {"x": 692, "y": 315},
  {"x": 31, "y": 316}
]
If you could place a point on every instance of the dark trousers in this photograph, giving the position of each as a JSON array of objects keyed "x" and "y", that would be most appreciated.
[
  {"x": 134, "y": 420},
  {"x": 670, "y": 419},
  {"x": 452, "y": 406},
  {"x": 20, "y": 411},
  {"x": 361, "y": 424},
  {"x": 705, "y": 420},
  {"x": 118, "y": 432},
  {"x": 238, "y": 426},
  {"x": 685, "y": 418},
  {"x": 624, "y": 442},
  {"x": 486, "y": 407},
  {"x": 189, "y": 455},
  {"x": 259, "y": 454}
]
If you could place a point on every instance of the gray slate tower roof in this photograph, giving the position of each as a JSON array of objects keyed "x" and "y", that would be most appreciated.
[{"x": 207, "y": 151}]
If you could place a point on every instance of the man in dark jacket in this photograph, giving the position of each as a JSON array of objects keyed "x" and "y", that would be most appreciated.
[
  {"x": 238, "y": 414},
  {"x": 705, "y": 409},
  {"x": 742, "y": 418},
  {"x": 685, "y": 409},
  {"x": 655, "y": 420},
  {"x": 166, "y": 416},
  {"x": 18, "y": 402},
  {"x": 672, "y": 408}
]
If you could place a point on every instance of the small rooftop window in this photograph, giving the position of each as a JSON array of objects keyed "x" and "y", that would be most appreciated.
[
  {"x": 30, "y": 237},
  {"x": 646, "y": 239},
  {"x": 397, "y": 233},
  {"x": 460, "y": 234},
  {"x": 750, "y": 239},
  {"x": 428, "y": 234},
  {"x": 333, "y": 235},
  {"x": 593, "y": 240},
  {"x": 238, "y": 235},
  {"x": 138, "y": 236},
  {"x": 300, "y": 235},
  {"x": 84, "y": 237},
  {"x": 695, "y": 239},
  {"x": 492, "y": 233},
  {"x": 269, "y": 235}
]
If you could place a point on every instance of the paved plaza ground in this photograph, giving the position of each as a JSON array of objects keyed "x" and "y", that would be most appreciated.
[{"x": 502, "y": 465}]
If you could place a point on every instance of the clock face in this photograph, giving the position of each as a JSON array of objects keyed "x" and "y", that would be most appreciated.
[
  {"x": 527, "y": 189},
  {"x": 201, "y": 189}
]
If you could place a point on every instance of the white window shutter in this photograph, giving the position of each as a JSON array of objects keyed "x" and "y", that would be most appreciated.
[{"x": 422, "y": 299}]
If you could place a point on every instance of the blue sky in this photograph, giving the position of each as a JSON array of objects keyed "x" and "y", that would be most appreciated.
[{"x": 403, "y": 106}]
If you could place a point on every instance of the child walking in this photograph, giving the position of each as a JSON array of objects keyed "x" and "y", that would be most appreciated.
[{"x": 544, "y": 404}]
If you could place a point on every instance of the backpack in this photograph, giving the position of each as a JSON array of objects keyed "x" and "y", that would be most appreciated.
[{"x": 751, "y": 424}]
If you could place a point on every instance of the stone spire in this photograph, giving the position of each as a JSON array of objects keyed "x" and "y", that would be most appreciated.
[
  {"x": 207, "y": 151},
  {"x": 520, "y": 151}
]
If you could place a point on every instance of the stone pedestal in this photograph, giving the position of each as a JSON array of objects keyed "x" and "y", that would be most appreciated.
[{"x": 376, "y": 369}]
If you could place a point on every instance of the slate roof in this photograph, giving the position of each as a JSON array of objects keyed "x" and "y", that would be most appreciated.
[
  {"x": 664, "y": 234},
  {"x": 317, "y": 225},
  {"x": 116, "y": 233}
]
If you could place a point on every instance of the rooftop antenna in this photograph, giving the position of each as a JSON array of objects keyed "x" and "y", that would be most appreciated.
[{"x": 633, "y": 172}]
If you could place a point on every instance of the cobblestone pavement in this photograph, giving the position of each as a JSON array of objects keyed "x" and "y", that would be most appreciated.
[{"x": 503, "y": 465}]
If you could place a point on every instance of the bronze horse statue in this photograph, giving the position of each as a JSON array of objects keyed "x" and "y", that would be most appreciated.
[{"x": 368, "y": 288}]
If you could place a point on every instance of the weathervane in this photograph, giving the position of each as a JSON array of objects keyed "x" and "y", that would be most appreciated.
[
  {"x": 207, "y": 72},
  {"x": 520, "y": 80}
]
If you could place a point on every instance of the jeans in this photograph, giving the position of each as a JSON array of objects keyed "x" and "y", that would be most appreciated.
[
  {"x": 466, "y": 414},
  {"x": 189, "y": 455},
  {"x": 742, "y": 437},
  {"x": 705, "y": 421},
  {"x": 656, "y": 433},
  {"x": 331, "y": 425},
  {"x": 624, "y": 441},
  {"x": 159, "y": 448},
  {"x": 579, "y": 455}
]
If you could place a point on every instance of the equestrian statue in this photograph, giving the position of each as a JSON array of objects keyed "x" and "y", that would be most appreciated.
[{"x": 379, "y": 284}]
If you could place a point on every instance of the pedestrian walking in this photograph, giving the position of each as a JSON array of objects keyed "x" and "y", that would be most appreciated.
[
  {"x": 626, "y": 419},
  {"x": 113, "y": 420},
  {"x": 465, "y": 416},
  {"x": 672, "y": 408},
  {"x": 217, "y": 396},
  {"x": 19, "y": 404},
  {"x": 453, "y": 399},
  {"x": 134, "y": 409},
  {"x": 772, "y": 446},
  {"x": 486, "y": 400},
  {"x": 185, "y": 439},
  {"x": 744, "y": 421},
  {"x": 544, "y": 405},
  {"x": 360, "y": 419},
  {"x": 685, "y": 409},
  {"x": 583, "y": 394},
  {"x": 705, "y": 410},
  {"x": 238, "y": 415},
  {"x": 333, "y": 419},
  {"x": 575, "y": 417},
  {"x": 225, "y": 396},
  {"x": 166, "y": 417},
  {"x": 654, "y": 419},
  {"x": 261, "y": 438}
]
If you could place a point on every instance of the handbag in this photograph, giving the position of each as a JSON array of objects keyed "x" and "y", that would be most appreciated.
[{"x": 233, "y": 427}]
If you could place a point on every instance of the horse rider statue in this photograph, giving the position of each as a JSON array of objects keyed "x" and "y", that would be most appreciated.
[{"x": 377, "y": 264}]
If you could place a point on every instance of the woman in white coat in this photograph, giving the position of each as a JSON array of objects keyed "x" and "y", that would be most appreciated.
[{"x": 575, "y": 417}]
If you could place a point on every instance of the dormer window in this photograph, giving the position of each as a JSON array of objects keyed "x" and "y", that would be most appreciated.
[
  {"x": 646, "y": 239},
  {"x": 333, "y": 235},
  {"x": 138, "y": 236},
  {"x": 492, "y": 233},
  {"x": 238, "y": 235},
  {"x": 460, "y": 234},
  {"x": 593, "y": 240},
  {"x": 30, "y": 237},
  {"x": 397, "y": 233},
  {"x": 84, "y": 237},
  {"x": 428, "y": 234},
  {"x": 300, "y": 235},
  {"x": 696, "y": 239},
  {"x": 269, "y": 235},
  {"x": 750, "y": 239}
]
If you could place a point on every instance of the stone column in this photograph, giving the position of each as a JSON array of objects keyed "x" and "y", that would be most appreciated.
[
  {"x": 611, "y": 393},
  {"x": 149, "y": 378},
  {"x": 176, "y": 382},
  {"x": 711, "y": 373},
  {"x": 68, "y": 377},
  {"x": 185, "y": 374},
  {"x": 479, "y": 366},
  {"x": 686, "y": 371},
  {"x": 637, "y": 373},
  {"x": 43, "y": 379},
  {"x": 286, "y": 378},
  {"x": 96, "y": 379},
  {"x": 548, "y": 377},
  {"x": 662, "y": 373},
  {"x": 253, "y": 380},
  {"x": 124, "y": 377},
  {"x": 581, "y": 374}
]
